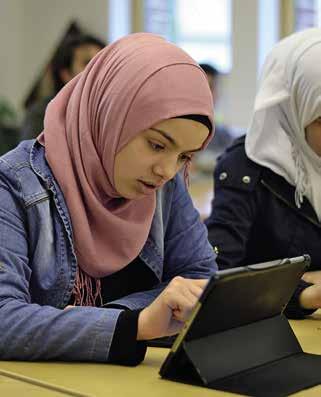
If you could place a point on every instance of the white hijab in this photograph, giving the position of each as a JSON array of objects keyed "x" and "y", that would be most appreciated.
[{"x": 288, "y": 100}]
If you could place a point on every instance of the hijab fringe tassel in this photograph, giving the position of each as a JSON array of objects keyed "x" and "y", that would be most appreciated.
[{"x": 83, "y": 290}]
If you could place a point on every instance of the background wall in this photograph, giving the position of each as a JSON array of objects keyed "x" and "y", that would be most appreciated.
[
  {"x": 29, "y": 31},
  {"x": 11, "y": 45},
  {"x": 239, "y": 86}
]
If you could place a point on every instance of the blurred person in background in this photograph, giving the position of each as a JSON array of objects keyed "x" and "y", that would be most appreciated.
[
  {"x": 71, "y": 58},
  {"x": 206, "y": 160},
  {"x": 267, "y": 198},
  {"x": 9, "y": 133}
]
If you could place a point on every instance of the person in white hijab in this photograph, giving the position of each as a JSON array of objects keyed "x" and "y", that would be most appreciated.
[
  {"x": 287, "y": 112},
  {"x": 282, "y": 145}
]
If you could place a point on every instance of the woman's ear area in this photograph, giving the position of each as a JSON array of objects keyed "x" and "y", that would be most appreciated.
[{"x": 313, "y": 135}]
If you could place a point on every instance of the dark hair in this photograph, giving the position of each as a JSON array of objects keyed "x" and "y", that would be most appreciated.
[
  {"x": 209, "y": 69},
  {"x": 64, "y": 56},
  {"x": 198, "y": 117}
]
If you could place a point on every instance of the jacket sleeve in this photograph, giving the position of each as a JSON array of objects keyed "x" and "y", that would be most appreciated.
[
  {"x": 234, "y": 208},
  {"x": 29, "y": 331}
]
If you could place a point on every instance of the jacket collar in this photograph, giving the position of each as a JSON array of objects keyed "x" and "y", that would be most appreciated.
[{"x": 39, "y": 164}]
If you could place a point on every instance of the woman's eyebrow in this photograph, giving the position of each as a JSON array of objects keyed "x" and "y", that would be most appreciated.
[
  {"x": 165, "y": 135},
  {"x": 172, "y": 140}
]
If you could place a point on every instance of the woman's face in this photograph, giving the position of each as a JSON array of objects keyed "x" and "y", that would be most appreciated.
[
  {"x": 155, "y": 155},
  {"x": 313, "y": 136}
]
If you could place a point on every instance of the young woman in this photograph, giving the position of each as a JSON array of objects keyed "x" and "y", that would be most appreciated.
[
  {"x": 100, "y": 245},
  {"x": 267, "y": 201}
]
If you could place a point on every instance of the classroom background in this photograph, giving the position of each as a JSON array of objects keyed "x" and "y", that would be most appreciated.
[{"x": 232, "y": 35}]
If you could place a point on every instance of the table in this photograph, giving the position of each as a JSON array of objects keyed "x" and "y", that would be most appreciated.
[{"x": 100, "y": 380}]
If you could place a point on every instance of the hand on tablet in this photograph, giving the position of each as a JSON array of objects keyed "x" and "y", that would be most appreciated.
[
  {"x": 310, "y": 298},
  {"x": 166, "y": 315},
  {"x": 312, "y": 277}
]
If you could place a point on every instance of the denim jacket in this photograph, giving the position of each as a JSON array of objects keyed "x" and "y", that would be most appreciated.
[{"x": 38, "y": 262}]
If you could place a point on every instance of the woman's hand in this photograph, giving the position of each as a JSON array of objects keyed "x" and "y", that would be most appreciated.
[
  {"x": 166, "y": 315},
  {"x": 310, "y": 298},
  {"x": 312, "y": 277}
]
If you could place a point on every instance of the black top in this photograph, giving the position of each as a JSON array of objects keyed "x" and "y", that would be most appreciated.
[
  {"x": 254, "y": 218},
  {"x": 136, "y": 276}
]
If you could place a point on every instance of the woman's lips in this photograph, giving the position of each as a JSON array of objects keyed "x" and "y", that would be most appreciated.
[{"x": 147, "y": 188}]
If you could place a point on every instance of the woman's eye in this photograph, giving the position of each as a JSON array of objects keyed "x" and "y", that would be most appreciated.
[{"x": 156, "y": 146}]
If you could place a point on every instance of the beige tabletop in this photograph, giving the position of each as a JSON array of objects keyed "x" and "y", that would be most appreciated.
[{"x": 100, "y": 380}]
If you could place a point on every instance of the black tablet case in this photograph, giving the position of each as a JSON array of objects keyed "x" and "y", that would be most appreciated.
[{"x": 258, "y": 358}]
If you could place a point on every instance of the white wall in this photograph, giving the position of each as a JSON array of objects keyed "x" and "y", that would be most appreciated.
[
  {"x": 11, "y": 59},
  {"x": 255, "y": 29},
  {"x": 239, "y": 86},
  {"x": 29, "y": 31}
]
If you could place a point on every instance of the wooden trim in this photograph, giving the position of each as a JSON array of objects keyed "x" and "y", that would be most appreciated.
[
  {"x": 287, "y": 17},
  {"x": 137, "y": 16}
]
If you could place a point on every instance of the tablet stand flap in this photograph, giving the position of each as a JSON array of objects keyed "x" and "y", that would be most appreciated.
[
  {"x": 276, "y": 379},
  {"x": 221, "y": 355},
  {"x": 261, "y": 359},
  {"x": 224, "y": 354}
]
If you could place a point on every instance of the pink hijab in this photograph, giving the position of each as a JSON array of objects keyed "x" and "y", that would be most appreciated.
[{"x": 127, "y": 87}]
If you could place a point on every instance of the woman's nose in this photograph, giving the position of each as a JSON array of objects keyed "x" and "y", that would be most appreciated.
[{"x": 166, "y": 169}]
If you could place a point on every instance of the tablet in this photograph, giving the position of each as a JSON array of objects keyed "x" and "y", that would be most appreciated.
[{"x": 240, "y": 296}]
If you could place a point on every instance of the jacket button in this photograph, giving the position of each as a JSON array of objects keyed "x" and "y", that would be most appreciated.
[
  {"x": 222, "y": 176},
  {"x": 246, "y": 179}
]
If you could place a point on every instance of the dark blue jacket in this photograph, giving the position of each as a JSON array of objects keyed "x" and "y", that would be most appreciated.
[{"x": 254, "y": 218}]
